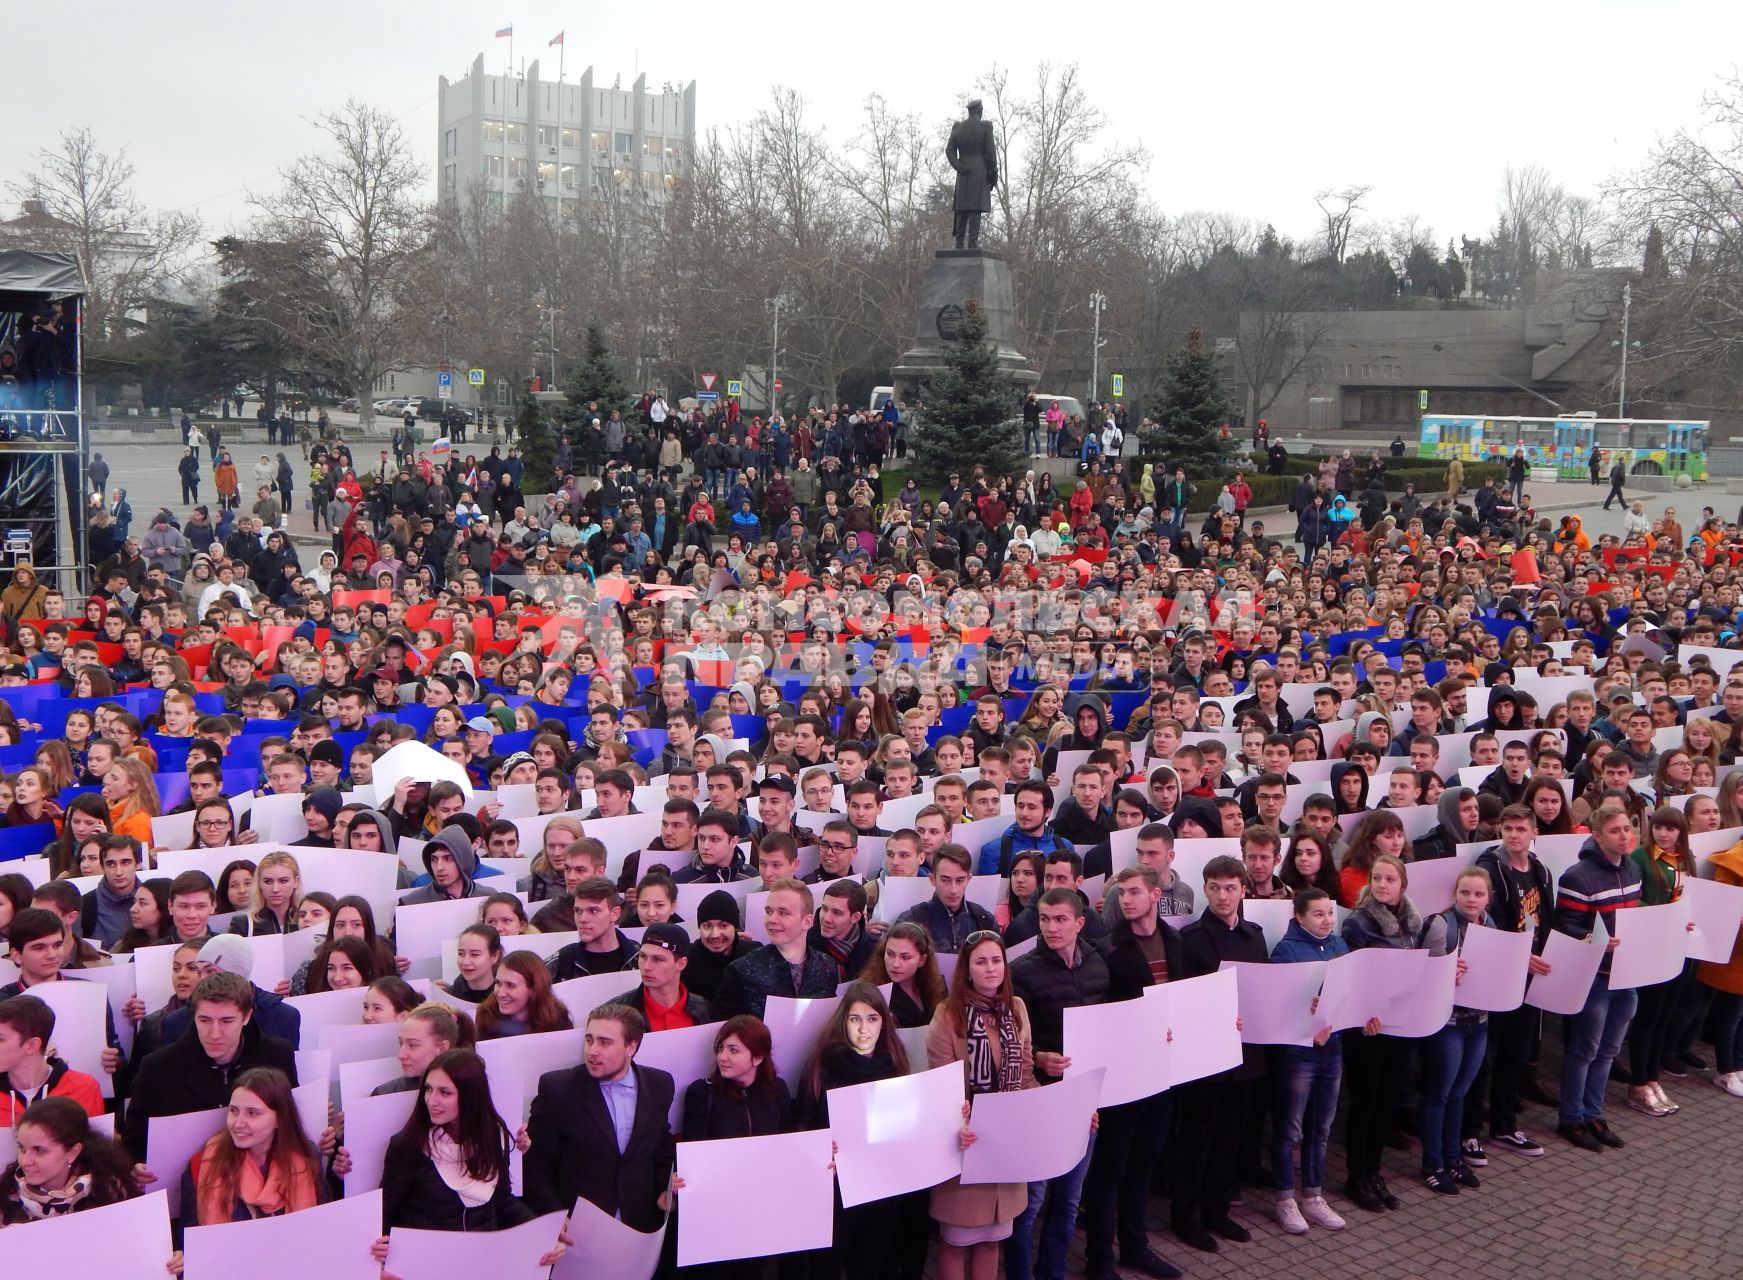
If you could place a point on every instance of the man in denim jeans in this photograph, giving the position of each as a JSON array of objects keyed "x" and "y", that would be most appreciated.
[
  {"x": 1062, "y": 972},
  {"x": 1604, "y": 880}
]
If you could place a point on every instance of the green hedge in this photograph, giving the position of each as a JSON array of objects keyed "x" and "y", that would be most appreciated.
[{"x": 1427, "y": 474}]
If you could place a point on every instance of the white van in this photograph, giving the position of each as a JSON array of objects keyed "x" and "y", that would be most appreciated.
[
  {"x": 1070, "y": 406},
  {"x": 880, "y": 396}
]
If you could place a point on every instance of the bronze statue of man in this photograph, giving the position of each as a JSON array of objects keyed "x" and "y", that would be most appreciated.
[{"x": 974, "y": 154}]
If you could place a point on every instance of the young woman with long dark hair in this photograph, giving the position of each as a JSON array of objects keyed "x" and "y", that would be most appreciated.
[
  {"x": 447, "y": 1170},
  {"x": 858, "y": 1045}
]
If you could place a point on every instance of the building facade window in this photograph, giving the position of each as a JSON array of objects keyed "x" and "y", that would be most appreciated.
[
  {"x": 517, "y": 135},
  {"x": 623, "y": 142},
  {"x": 571, "y": 139},
  {"x": 517, "y": 169},
  {"x": 601, "y": 143},
  {"x": 547, "y": 172},
  {"x": 492, "y": 130},
  {"x": 569, "y": 172},
  {"x": 451, "y": 142},
  {"x": 493, "y": 168},
  {"x": 547, "y": 135}
]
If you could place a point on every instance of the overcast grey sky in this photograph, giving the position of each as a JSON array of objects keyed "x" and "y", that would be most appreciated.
[{"x": 1245, "y": 107}]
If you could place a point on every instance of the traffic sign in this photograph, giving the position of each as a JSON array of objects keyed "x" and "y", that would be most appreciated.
[
  {"x": 777, "y": 384},
  {"x": 1117, "y": 384},
  {"x": 708, "y": 381},
  {"x": 475, "y": 377},
  {"x": 1422, "y": 400},
  {"x": 444, "y": 378},
  {"x": 445, "y": 391},
  {"x": 708, "y": 395},
  {"x": 734, "y": 387}
]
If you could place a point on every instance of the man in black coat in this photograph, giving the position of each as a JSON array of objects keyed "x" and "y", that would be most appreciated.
[
  {"x": 1063, "y": 972},
  {"x": 1213, "y": 1111},
  {"x": 788, "y": 914},
  {"x": 599, "y": 1131},
  {"x": 195, "y": 1072},
  {"x": 1142, "y": 951}
]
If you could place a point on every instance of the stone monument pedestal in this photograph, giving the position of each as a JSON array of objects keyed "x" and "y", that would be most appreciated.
[{"x": 955, "y": 276}]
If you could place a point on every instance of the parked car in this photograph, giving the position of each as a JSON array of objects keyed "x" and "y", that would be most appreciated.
[{"x": 348, "y": 405}]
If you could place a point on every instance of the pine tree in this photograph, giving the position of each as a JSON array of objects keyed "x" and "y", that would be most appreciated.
[
  {"x": 538, "y": 449},
  {"x": 969, "y": 417},
  {"x": 597, "y": 380},
  {"x": 1653, "y": 266},
  {"x": 1189, "y": 411}
]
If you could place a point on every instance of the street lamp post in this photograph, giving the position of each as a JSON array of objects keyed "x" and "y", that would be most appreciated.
[
  {"x": 774, "y": 356},
  {"x": 1098, "y": 302},
  {"x": 1622, "y": 388}
]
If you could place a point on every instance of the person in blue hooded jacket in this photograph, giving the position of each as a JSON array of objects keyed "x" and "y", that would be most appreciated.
[{"x": 1307, "y": 1078}]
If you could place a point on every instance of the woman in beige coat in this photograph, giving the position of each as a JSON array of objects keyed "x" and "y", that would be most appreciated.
[{"x": 984, "y": 1026}]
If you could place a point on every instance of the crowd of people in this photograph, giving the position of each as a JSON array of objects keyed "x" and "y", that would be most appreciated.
[{"x": 1128, "y": 731}]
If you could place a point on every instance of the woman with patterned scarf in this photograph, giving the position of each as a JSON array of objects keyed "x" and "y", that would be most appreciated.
[
  {"x": 63, "y": 1166},
  {"x": 983, "y": 1025}
]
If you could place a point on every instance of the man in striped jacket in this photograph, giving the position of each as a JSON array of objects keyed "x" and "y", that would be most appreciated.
[{"x": 1604, "y": 881}]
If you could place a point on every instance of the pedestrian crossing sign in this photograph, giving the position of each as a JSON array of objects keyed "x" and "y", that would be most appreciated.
[
  {"x": 734, "y": 387},
  {"x": 1117, "y": 384},
  {"x": 475, "y": 377}
]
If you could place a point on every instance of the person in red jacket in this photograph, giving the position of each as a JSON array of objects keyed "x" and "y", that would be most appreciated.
[
  {"x": 27, "y": 1073},
  {"x": 1242, "y": 493}
]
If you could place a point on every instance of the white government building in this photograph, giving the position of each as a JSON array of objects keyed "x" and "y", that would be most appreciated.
[{"x": 523, "y": 133}]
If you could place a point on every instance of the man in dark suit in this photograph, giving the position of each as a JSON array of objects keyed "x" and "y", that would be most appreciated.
[{"x": 599, "y": 1130}]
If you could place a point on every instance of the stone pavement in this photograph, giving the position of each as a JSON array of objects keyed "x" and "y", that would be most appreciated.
[{"x": 1666, "y": 1205}]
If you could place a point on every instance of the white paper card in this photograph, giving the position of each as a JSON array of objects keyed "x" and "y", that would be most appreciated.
[
  {"x": 898, "y": 1135},
  {"x": 1203, "y": 1039},
  {"x": 1496, "y": 963},
  {"x": 1031, "y": 1135},
  {"x": 1276, "y": 1000},
  {"x": 1573, "y": 963},
  {"x": 1129, "y": 1039},
  {"x": 605, "y": 1247},
  {"x": 370, "y": 1124},
  {"x": 509, "y": 1254},
  {"x": 713, "y": 1225},
  {"x": 171, "y": 1143},
  {"x": 331, "y": 1241},
  {"x": 1651, "y": 944},
  {"x": 79, "y": 1031},
  {"x": 1716, "y": 910},
  {"x": 128, "y": 1240},
  {"x": 684, "y": 1053}
]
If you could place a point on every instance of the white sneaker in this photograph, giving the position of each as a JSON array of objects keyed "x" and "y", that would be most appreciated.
[
  {"x": 1731, "y": 1083},
  {"x": 1289, "y": 1216},
  {"x": 1321, "y": 1214}
]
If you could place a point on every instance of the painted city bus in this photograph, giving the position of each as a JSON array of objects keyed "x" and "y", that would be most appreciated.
[{"x": 1651, "y": 447}]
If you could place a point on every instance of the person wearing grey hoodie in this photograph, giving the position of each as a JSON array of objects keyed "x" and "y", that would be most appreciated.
[
  {"x": 1457, "y": 808},
  {"x": 453, "y": 866},
  {"x": 372, "y": 832}
]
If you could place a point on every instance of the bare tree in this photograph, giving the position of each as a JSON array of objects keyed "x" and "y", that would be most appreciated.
[
  {"x": 1339, "y": 207},
  {"x": 353, "y": 207},
  {"x": 1689, "y": 311},
  {"x": 81, "y": 201}
]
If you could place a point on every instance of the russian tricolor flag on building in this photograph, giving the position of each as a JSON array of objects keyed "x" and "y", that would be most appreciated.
[{"x": 507, "y": 32}]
